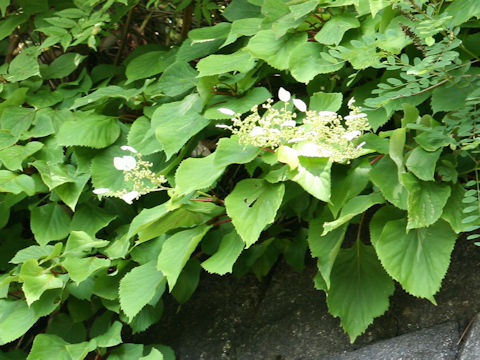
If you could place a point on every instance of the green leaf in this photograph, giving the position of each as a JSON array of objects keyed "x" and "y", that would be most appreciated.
[
  {"x": 326, "y": 247},
  {"x": 397, "y": 143},
  {"x": 80, "y": 269},
  {"x": 104, "y": 173},
  {"x": 142, "y": 137},
  {"x": 197, "y": 174},
  {"x": 240, "y": 105},
  {"x": 306, "y": 62},
  {"x": 147, "y": 217},
  {"x": 377, "y": 5},
  {"x": 422, "y": 163},
  {"x": 45, "y": 345},
  {"x": 253, "y": 205},
  {"x": 177, "y": 79},
  {"x": 390, "y": 186},
  {"x": 53, "y": 174},
  {"x": 177, "y": 250},
  {"x": 210, "y": 33},
  {"x": 187, "y": 281},
  {"x": 16, "y": 317},
  {"x": 175, "y": 123},
  {"x": 332, "y": 32},
  {"x": 108, "y": 92},
  {"x": 49, "y": 222},
  {"x": 70, "y": 192},
  {"x": 448, "y": 98},
  {"x": 37, "y": 280},
  {"x": 462, "y": 10},
  {"x": 426, "y": 201},
  {"x": 419, "y": 259},
  {"x": 359, "y": 289},
  {"x": 276, "y": 52},
  {"x": 23, "y": 66},
  {"x": 92, "y": 130},
  {"x": 90, "y": 219},
  {"x": 138, "y": 287},
  {"x": 322, "y": 101},
  {"x": 230, "y": 151},
  {"x": 13, "y": 183},
  {"x": 13, "y": 157},
  {"x": 241, "y": 61},
  {"x": 17, "y": 119},
  {"x": 228, "y": 252},
  {"x": 348, "y": 183},
  {"x": 9, "y": 24},
  {"x": 240, "y": 9},
  {"x": 148, "y": 65},
  {"x": 352, "y": 208},
  {"x": 112, "y": 337},
  {"x": 80, "y": 242},
  {"x": 148, "y": 316},
  {"x": 453, "y": 212},
  {"x": 243, "y": 27},
  {"x": 313, "y": 174},
  {"x": 153, "y": 355},
  {"x": 63, "y": 66}
]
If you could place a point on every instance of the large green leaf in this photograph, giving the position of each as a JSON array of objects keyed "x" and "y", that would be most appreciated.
[
  {"x": 187, "y": 281},
  {"x": 332, "y": 32},
  {"x": 63, "y": 66},
  {"x": 70, "y": 192},
  {"x": 389, "y": 185},
  {"x": 348, "y": 183},
  {"x": 326, "y": 247},
  {"x": 49, "y": 222},
  {"x": 16, "y": 317},
  {"x": 37, "y": 280},
  {"x": 89, "y": 129},
  {"x": 359, "y": 289},
  {"x": 175, "y": 123},
  {"x": 177, "y": 250},
  {"x": 228, "y": 252},
  {"x": 11, "y": 182},
  {"x": 422, "y": 163},
  {"x": 322, "y": 101},
  {"x": 138, "y": 287},
  {"x": 23, "y": 66},
  {"x": 453, "y": 212},
  {"x": 197, "y": 174},
  {"x": 148, "y": 64},
  {"x": 252, "y": 205},
  {"x": 230, "y": 151},
  {"x": 241, "y": 61},
  {"x": 307, "y": 61},
  {"x": 80, "y": 269},
  {"x": 426, "y": 200},
  {"x": 355, "y": 206},
  {"x": 142, "y": 137},
  {"x": 313, "y": 174},
  {"x": 177, "y": 79},
  {"x": 13, "y": 157},
  {"x": 45, "y": 345},
  {"x": 419, "y": 259},
  {"x": 275, "y": 51}
]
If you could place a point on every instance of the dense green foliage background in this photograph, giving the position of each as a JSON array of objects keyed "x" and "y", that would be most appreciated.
[{"x": 80, "y": 270}]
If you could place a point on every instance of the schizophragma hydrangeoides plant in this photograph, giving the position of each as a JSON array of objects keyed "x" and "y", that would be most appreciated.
[{"x": 142, "y": 144}]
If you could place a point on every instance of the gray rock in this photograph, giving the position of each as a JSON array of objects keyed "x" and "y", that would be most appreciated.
[
  {"x": 470, "y": 349},
  {"x": 437, "y": 343}
]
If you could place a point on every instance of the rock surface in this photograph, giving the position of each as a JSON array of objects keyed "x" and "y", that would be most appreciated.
[{"x": 285, "y": 318}]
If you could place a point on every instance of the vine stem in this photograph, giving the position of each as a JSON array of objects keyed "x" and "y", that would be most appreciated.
[{"x": 124, "y": 37}]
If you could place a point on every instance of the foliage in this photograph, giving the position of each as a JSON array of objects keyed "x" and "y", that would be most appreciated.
[{"x": 141, "y": 141}]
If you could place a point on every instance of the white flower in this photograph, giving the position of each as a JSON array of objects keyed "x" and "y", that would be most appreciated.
[
  {"x": 355, "y": 116},
  {"x": 125, "y": 163},
  {"x": 101, "y": 191},
  {"x": 300, "y": 105},
  {"x": 128, "y": 148},
  {"x": 351, "y": 102},
  {"x": 274, "y": 131},
  {"x": 222, "y": 126},
  {"x": 283, "y": 94},
  {"x": 352, "y": 135},
  {"x": 256, "y": 131},
  {"x": 226, "y": 111},
  {"x": 289, "y": 123},
  {"x": 327, "y": 113},
  {"x": 361, "y": 145},
  {"x": 130, "y": 196},
  {"x": 295, "y": 140}
]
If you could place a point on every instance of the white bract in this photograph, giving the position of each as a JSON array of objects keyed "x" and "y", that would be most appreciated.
[
  {"x": 351, "y": 102},
  {"x": 355, "y": 116},
  {"x": 300, "y": 105},
  {"x": 226, "y": 111},
  {"x": 101, "y": 191},
  {"x": 289, "y": 123},
  {"x": 283, "y": 94},
  {"x": 352, "y": 134},
  {"x": 124, "y": 163},
  {"x": 128, "y": 148},
  {"x": 130, "y": 196},
  {"x": 257, "y": 130}
]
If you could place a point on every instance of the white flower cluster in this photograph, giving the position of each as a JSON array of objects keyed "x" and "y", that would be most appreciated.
[
  {"x": 326, "y": 132},
  {"x": 137, "y": 173}
]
